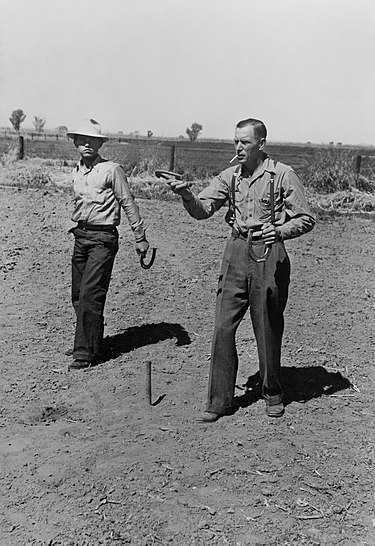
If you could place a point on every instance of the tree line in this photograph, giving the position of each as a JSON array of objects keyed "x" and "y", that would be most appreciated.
[{"x": 18, "y": 117}]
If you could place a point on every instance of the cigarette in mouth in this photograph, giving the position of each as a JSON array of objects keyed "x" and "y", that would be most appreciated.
[{"x": 233, "y": 158}]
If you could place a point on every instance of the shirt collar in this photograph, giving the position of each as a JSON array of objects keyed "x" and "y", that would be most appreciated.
[
  {"x": 266, "y": 164},
  {"x": 94, "y": 165}
]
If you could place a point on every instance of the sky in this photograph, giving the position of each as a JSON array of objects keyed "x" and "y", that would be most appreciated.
[{"x": 304, "y": 67}]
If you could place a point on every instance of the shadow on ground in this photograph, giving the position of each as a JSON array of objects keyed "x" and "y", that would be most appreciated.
[
  {"x": 140, "y": 336},
  {"x": 299, "y": 385}
]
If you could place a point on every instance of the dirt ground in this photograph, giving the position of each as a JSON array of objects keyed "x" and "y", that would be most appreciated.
[{"x": 86, "y": 460}]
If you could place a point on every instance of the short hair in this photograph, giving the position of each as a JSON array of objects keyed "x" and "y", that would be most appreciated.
[{"x": 260, "y": 130}]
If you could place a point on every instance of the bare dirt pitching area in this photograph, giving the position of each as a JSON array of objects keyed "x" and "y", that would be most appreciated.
[{"x": 85, "y": 460}]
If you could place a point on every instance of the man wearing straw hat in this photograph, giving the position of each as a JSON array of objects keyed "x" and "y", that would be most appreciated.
[
  {"x": 266, "y": 207},
  {"x": 101, "y": 190}
]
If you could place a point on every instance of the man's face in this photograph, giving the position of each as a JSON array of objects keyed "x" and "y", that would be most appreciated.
[
  {"x": 248, "y": 147},
  {"x": 88, "y": 146}
]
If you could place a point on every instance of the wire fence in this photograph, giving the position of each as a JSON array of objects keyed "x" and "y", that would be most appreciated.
[{"x": 199, "y": 159}]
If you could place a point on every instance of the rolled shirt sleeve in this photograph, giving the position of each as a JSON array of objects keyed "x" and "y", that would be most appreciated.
[{"x": 209, "y": 200}]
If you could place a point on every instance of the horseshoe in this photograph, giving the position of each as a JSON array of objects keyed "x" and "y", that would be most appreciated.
[
  {"x": 253, "y": 256},
  {"x": 152, "y": 259}
]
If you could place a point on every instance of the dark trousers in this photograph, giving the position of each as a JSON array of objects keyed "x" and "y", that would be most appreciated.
[
  {"x": 262, "y": 287},
  {"x": 92, "y": 262}
]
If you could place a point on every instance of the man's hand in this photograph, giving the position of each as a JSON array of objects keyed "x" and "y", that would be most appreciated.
[
  {"x": 271, "y": 234},
  {"x": 142, "y": 248},
  {"x": 179, "y": 187}
]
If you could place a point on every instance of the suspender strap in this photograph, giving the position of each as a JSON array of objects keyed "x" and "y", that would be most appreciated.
[
  {"x": 263, "y": 258},
  {"x": 233, "y": 193},
  {"x": 272, "y": 197}
]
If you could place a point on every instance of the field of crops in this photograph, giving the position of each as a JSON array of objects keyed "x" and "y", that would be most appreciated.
[{"x": 201, "y": 159}]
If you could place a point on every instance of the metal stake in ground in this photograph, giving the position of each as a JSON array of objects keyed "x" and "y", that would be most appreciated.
[{"x": 148, "y": 381}]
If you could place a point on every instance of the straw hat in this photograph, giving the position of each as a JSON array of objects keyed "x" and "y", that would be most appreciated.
[{"x": 89, "y": 127}]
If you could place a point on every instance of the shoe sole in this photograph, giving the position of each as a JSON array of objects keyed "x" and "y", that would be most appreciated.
[
  {"x": 79, "y": 367},
  {"x": 274, "y": 413},
  {"x": 209, "y": 418}
]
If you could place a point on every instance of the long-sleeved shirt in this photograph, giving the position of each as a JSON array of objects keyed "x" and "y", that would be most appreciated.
[
  {"x": 100, "y": 193},
  {"x": 252, "y": 199}
]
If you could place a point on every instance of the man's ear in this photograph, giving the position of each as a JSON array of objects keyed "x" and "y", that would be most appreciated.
[{"x": 262, "y": 143}]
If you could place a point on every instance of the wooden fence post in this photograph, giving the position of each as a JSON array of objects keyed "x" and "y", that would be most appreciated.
[
  {"x": 20, "y": 148},
  {"x": 148, "y": 381},
  {"x": 173, "y": 157},
  {"x": 358, "y": 162}
]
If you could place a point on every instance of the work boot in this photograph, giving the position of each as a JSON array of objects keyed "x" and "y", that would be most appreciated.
[
  {"x": 209, "y": 417},
  {"x": 79, "y": 365},
  {"x": 275, "y": 406}
]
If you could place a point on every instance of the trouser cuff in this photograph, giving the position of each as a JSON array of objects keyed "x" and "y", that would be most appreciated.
[
  {"x": 273, "y": 400},
  {"x": 222, "y": 410},
  {"x": 77, "y": 355}
]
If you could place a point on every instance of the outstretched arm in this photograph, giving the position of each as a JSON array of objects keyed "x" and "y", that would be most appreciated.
[
  {"x": 179, "y": 187},
  {"x": 206, "y": 203}
]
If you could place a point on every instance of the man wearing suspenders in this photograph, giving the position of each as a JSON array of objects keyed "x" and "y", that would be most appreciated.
[{"x": 266, "y": 207}]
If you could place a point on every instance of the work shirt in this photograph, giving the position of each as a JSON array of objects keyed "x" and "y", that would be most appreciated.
[
  {"x": 100, "y": 192},
  {"x": 252, "y": 199}
]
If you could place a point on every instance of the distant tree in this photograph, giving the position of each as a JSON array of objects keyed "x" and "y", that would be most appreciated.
[
  {"x": 149, "y": 134},
  {"x": 17, "y": 118},
  {"x": 39, "y": 124},
  {"x": 193, "y": 131},
  {"x": 62, "y": 130}
]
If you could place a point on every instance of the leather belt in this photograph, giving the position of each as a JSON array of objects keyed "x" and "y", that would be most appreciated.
[
  {"x": 257, "y": 236},
  {"x": 96, "y": 227}
]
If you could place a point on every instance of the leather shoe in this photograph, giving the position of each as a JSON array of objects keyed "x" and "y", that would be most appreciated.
[
  {"x": 210, "y": 417},
  {"x": 79, "y": 365},
  {"x": 275, "y": 410}
]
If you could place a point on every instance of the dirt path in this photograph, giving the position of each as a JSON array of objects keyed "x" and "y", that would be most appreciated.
[{"x": 84, "y": 460}]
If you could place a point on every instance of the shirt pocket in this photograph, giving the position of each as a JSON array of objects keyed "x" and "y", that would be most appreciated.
[
  {"x": 238, "y": 194},
  {"x": 100, "y": 186},
  {"x": 265, "y": 203}
]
